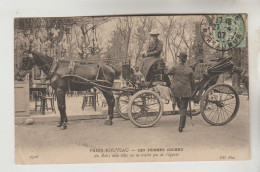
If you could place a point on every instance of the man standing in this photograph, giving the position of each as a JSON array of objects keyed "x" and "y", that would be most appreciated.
[
  {"x": 153, "y": 53},
  {"x": 182, "y": 87}
]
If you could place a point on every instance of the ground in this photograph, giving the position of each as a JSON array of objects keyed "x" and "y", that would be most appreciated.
[{"x": 43, "y": 142}]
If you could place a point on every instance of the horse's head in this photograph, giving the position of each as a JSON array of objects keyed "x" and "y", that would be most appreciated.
[{"x": 26, "y": 65}]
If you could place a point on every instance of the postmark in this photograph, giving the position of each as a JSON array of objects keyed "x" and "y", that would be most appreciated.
[{"x": 223, "y": 32}]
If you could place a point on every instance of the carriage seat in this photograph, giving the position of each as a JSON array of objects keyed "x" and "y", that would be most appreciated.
[
  {"x": 158, "y": 69},
  {"x": 144, "y": 84},
  {"x": 199, "y": 70}
]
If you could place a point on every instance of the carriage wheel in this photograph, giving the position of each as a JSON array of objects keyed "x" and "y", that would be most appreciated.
[
  {"x": 145, "y": 108},
  {"x": 122, "y": 103},
  {"x": 219, "y": 104}
]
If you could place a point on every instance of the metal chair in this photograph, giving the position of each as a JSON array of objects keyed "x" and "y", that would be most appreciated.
[
  {"x": 89, "y": 99},
  {"x": 51, "y": 97},
  {"x": 37, "y": 97}
]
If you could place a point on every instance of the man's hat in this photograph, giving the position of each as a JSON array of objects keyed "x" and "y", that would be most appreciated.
[
  {"x": 182, "y": 56},
  {"x": 154, "y": 32}
]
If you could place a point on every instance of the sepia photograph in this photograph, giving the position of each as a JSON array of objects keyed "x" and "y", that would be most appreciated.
[{"x": 131, "y": 88}]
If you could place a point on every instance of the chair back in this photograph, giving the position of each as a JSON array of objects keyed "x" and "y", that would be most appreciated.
[{"x": 126, "y": 70}]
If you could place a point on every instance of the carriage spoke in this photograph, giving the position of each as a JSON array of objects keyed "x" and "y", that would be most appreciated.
[
  {"x": 227, "y": 112},
  {"x": 222, "y": 113},
  {"x": 214, "y": 115},
  {"x": 223, "y": 99},
  {"x": 148, "y": 106}
]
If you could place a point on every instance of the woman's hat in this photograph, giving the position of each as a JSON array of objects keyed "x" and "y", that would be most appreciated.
[{"x": 154, "y": 32}]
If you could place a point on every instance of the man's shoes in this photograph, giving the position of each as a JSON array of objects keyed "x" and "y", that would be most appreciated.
[
  {"x": 64, "y": 126},
  {"x": 180, "y": 129},
  {"x": 59, "y": 125}
]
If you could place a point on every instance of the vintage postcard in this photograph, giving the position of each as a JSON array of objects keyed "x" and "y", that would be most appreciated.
[{"x": 131, "y": 88}]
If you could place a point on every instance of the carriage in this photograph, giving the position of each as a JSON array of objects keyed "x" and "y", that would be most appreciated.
[
  {"x": 140, "y": 102},
  {"x": 217, "y": 103}
]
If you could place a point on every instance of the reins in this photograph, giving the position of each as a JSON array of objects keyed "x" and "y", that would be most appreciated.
[{"x": 101, "y": 87}]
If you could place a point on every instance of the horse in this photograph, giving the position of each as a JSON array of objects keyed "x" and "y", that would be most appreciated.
[{"x": 66, "y": 76}]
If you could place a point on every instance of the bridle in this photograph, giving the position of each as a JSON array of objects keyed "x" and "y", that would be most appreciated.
[
  {"x": 41, "y": 66},
  {"x": 26, "y": 70}
]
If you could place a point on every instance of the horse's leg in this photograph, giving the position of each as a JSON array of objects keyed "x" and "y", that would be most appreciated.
[
  {"x": 111, "y": 103},
  {"x": 62, "y": 108}
]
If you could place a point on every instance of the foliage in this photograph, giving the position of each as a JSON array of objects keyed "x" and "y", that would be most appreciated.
[{"x": 112, "y": 38}]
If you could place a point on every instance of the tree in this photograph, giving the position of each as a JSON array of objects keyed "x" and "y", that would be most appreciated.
[
  {"x": 173, "y": 35},
  {"x": 89, "y": 28},
  {"x": 198, "y": 44},
  {"x": 140, "y": 36},
  {"x": 125, "y": 26}
]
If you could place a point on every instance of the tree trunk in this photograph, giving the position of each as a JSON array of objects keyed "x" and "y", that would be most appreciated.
[
  {"x": 59, "y": 51},
  {"x": 190, "y": 54},
  {"x": 129, "y": 30},
  {"x": 70, "y": 47},
  {"x": 237, "y": 62}
]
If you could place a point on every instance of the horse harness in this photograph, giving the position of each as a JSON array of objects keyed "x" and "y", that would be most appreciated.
[
  {"x": 52, "y": 69},
  {"x": 71, "y": 73}
]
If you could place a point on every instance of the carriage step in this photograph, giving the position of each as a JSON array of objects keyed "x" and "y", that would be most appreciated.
[{"x": 159, "y": 83}]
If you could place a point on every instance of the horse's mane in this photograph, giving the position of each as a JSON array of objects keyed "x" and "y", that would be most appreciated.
[{"x": 42, "y": 55}]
